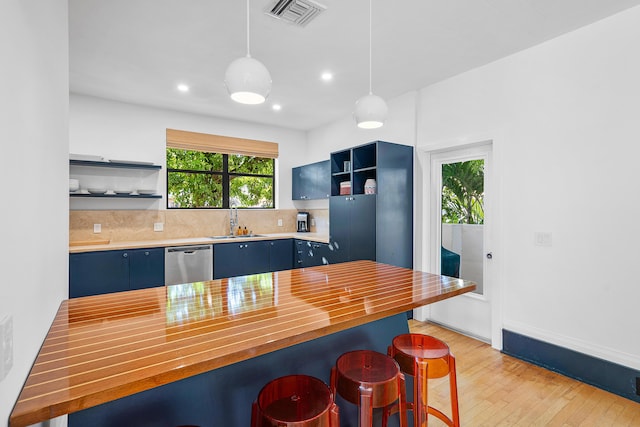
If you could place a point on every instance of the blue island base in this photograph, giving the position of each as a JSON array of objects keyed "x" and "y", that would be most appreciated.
[{"x": 223, "y": 397}]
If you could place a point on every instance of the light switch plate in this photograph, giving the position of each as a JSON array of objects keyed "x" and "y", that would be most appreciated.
[
  {"x": 97, "y": 228},
  {"x": 542, "y": 238},
  {"x": 280, "y": 222}
]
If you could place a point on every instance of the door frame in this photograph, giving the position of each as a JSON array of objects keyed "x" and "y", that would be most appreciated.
[{"x": 431, "y": 232}]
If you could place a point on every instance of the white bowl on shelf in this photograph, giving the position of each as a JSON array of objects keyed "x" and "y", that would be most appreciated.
[
  {"x": 74, "y": 184},
  {"x": 97, "y": 190}
]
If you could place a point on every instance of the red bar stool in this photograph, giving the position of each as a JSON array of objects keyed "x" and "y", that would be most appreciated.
[
  {"x": 295, "y": 401},
  {"x": 370, "y": 380},
  {"x": 424, "y": 357}
]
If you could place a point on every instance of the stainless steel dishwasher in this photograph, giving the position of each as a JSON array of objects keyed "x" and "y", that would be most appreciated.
[{"x": 187, "y": 264}]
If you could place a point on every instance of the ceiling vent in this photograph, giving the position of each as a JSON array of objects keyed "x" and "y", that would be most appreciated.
[{"x": 298, "y": 12}]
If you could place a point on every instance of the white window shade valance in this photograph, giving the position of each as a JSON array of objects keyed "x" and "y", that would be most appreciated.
[{"x": 186, "y": 140}]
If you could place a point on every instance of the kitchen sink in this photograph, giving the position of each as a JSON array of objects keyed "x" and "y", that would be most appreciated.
[{"x": 244, "y": 236}]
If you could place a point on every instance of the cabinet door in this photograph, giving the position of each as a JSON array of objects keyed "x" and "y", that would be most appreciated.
[
  {"x": 319, "y": 183},
  {"x": 240, "y": 259},
  {"x": 326, "y": 253},
  {"x": 362, "y": 222},
  {"x": 319, "y": 254},
  {"x": 280, "y": 255},
  {"x": 339, "y": 220},
  {"x": 312, "y": 181},
  {"x": 95, "y": 273},
  {"x": 256, "y": 257},
  {"x": 227, "y": 260},
  {"x": 296, "y": 183},
  {"x": 146, "y": 268}
]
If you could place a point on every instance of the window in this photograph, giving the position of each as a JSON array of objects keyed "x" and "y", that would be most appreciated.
[{"x": 210, "y": 171}]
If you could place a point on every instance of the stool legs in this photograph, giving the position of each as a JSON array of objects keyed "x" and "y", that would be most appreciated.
[
  {"x": 454, "y": 421},
  {"x": 420, "y": 393},
  {"x": 426, "y": 357},
  {"x": 365, "y": 415}
]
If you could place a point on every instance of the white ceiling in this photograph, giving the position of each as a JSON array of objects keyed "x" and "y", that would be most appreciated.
[{"x": 139, "y": 50}]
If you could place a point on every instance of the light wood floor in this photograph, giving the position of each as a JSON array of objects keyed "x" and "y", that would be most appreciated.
[{"x": 498, "y": 390}]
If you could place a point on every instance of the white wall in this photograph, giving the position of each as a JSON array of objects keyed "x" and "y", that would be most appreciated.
[
  {"x": 124, "y": 131},
  {"x": 563, "y": 117},
  {"x": 34, "y": 173}
]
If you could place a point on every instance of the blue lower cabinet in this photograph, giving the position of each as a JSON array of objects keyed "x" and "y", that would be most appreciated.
[
  {"x": 280, "y": 255},
  {"x": 102, "y": 272},
  {"x": 310, "y": 254},
  {"x": 240, "y": 259},
  {"x": 146, "y": 268},
  {"x": 95, "y": 273}
]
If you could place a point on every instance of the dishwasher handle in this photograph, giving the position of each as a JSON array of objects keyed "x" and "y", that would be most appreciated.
[{"x": 188, "y": 250}]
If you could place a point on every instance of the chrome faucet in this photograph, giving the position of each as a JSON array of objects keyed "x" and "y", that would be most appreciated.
[{"x": 233, "y": 219}]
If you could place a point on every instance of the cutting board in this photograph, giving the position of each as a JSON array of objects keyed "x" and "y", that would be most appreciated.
[{"x": 88, "y": 242}]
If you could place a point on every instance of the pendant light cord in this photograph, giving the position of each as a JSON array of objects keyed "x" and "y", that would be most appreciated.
[
  {"x": 370, "y": 50},
  {"x": 248, "y": 41}
]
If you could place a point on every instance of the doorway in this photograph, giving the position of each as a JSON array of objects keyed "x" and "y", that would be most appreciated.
[{"x": 461, "y": 230}]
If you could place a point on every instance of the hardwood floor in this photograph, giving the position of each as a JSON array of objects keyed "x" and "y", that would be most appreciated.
[{"x": 498, "y": 390}]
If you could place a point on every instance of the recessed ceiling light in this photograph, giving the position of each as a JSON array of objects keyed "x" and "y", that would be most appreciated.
[
  {"x": 276, "y": 107},
  {"x": 183, "y": 87},
  {"x": 327, "y": 76}
]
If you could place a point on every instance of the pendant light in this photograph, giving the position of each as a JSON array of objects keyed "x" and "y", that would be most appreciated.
[
  {"x": 371, "y": 110},
  {"x": 248, "y": 80}
]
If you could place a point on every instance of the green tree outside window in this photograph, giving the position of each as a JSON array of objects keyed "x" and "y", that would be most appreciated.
[
  {"x": 463, "y": 192},
  {"x": 197, "y": 179}
]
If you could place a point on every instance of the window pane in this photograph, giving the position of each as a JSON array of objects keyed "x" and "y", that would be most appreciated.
[
  {"x": 252, "y": 165},
  {"x": 194, "y": 190},
  {"x": 251, "y": 192},
  {"x": 193, "y": 160}
]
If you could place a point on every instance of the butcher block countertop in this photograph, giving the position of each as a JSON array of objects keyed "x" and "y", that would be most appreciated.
[
  {"x": 106, "y": 347},
  {"x": 106, "y": 245}
]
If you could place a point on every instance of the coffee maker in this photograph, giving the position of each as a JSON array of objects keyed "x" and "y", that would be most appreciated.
[{"x": 303, "y": 222}]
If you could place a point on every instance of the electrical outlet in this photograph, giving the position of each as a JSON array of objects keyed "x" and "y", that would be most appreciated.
[
  {"x": 280, "y": 222},
  {"x": 158, "y": 226},
  {"x": 6, "y": 346},
  {"x": 97, "y": 228},
  {"x": 313, "y": 222}
]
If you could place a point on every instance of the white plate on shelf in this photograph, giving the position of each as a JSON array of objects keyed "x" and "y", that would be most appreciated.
[
  {"x": 122, "y": 191},
  {"x": 130, "y": 162},
  {"x": 86, "y": 157},
  {"x": 146, "y": 192}
]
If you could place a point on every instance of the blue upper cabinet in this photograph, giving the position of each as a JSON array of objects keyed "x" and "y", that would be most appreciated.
[
  {"x": 371, "y": 208},
  {"x": 312, "y": 181}
]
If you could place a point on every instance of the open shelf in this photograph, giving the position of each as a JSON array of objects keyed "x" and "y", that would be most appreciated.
[
  {"x": 118, "y": 196},
  {"x": 127, "y": 165},
  {"x": 363, "y": 165}
]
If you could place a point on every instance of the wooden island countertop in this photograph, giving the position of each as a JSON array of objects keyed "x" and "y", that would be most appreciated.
[{"x": 102, "y": 348}]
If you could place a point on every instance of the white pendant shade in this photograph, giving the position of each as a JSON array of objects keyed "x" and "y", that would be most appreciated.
[
  {"x": 248, "y": 81},
  {"x": 370, "y": 112}
]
